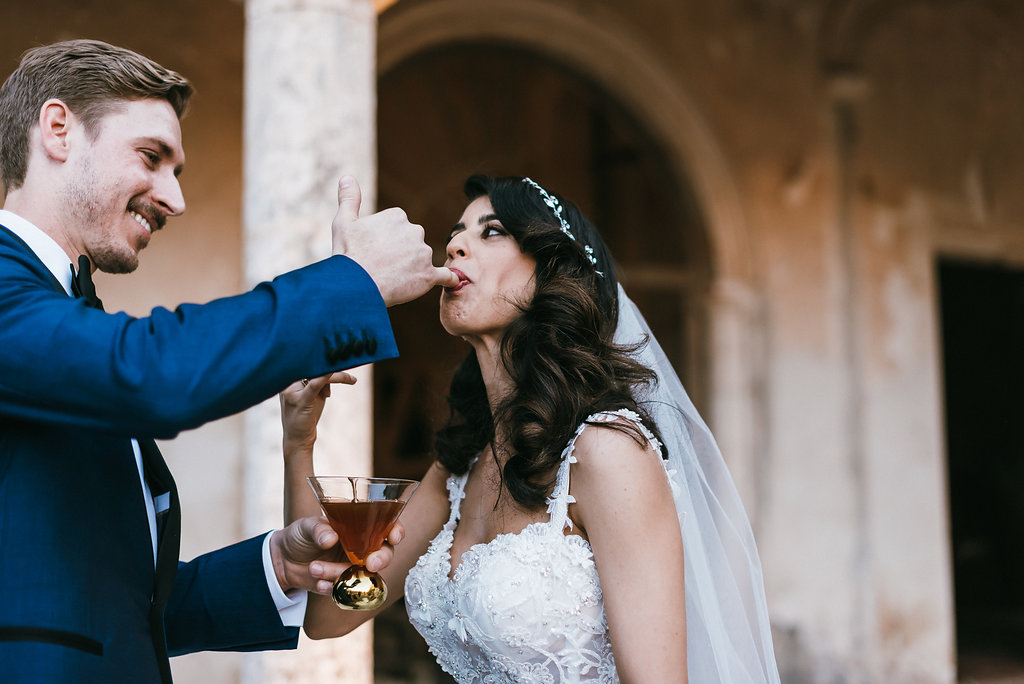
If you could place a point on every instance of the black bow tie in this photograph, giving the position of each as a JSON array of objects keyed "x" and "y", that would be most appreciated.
[{"x": 81, "y": 283}]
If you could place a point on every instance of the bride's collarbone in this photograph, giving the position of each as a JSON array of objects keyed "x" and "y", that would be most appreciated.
[{"x": 486, "y": 516}]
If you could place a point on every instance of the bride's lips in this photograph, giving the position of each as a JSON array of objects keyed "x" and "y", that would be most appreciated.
[{"x": 463, "y": 280}]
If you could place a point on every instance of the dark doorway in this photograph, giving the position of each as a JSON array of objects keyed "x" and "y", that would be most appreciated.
[
  {"x": 983, "y": 338},
  {"x": 501, "y": 109}
]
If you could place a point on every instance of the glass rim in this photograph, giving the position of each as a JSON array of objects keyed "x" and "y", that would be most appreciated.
[{"x": 361, "y": 478}]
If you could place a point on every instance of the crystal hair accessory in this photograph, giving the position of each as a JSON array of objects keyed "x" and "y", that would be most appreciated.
[{"x": 556, "y": 209}]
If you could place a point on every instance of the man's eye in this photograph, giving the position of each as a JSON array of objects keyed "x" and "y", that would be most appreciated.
[{"x": 151, "y": 157}]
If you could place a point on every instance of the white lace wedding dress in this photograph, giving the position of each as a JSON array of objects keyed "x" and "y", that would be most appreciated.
[{"x": 524, "y": 608}]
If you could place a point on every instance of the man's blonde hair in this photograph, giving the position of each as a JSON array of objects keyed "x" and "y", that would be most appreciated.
[{"x": 90, "y": 77}]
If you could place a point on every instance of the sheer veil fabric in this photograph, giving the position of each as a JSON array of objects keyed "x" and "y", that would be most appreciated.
[{"x": 728, "y": 634}]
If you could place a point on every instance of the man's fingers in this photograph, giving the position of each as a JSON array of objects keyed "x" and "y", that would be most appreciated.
[
  {"x": 349, "y": 199},
  {"x": 380, "y": 558},
  {"x": 446, "y": 277},
  {"x": 323, "y": 534},
  {"x": 326, "y": 570},
  {"x": 383, "y": 557},
  {"x": 388, "y": 247},
  {"x": 397, "y": 533}
]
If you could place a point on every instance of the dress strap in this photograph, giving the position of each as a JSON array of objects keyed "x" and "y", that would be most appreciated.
[
  {"x": 558, "y": 502},
  {"x": 560, "y": 498},
  {"x": 456, "y": 493}
]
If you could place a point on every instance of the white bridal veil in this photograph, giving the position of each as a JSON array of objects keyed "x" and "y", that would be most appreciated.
[{"x": 728, "y": 635}]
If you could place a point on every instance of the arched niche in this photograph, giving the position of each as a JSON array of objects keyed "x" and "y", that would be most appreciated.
[
  {"x": 611, "y": 57},
  {"x": 603, "y": 50}
]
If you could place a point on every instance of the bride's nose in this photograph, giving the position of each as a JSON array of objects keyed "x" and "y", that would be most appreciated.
[{"x": 456, "y": 246}]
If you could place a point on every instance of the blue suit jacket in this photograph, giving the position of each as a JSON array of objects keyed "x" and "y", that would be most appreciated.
[{"x": 79, "y": 598}]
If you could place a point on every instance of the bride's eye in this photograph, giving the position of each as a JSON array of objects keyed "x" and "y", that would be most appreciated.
[{"x": 491, "y": 231}]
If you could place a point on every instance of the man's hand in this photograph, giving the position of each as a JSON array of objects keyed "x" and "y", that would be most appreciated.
[
  {"x": 306, "y": 555},
  {"x": 388, "y": 247}
]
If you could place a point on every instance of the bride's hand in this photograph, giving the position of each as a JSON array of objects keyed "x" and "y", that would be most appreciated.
[{"x": 302, "y": 404}]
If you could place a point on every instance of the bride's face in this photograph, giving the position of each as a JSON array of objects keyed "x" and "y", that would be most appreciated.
[{"x": 494, "y": 274}]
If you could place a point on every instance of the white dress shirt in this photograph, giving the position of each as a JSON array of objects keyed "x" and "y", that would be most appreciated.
[{"x": 292, "y": 609}]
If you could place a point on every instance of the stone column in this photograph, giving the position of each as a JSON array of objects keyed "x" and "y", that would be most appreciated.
[{"x": 310, "y": 108}]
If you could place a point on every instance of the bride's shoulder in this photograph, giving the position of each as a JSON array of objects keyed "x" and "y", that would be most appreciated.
[
  {"x": 616, "y": 467},
  {"x": 610, "y": 444}
]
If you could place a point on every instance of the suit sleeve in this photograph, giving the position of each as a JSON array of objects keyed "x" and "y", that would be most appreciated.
[
  {"x": 175, "y": 370},
  {"x": 220, "y": 602}
]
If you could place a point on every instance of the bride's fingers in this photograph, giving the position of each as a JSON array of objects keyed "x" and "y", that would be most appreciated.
[
  {"x": 297, "y": 386},
  {"x": 308, "y": 393},
  {"x": 318, "y": 383},
  {"x": 342, "y": 378},
  {"x": 337, "y": 378}
]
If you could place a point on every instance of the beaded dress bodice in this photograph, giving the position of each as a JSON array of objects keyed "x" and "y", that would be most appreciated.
[{"x": 524, "y": 607}]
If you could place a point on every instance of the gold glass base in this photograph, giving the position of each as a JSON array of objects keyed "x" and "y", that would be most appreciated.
[{"x": 359, "y": 589}]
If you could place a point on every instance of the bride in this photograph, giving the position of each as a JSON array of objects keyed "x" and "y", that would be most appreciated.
[{"x": 578, "y": 524}]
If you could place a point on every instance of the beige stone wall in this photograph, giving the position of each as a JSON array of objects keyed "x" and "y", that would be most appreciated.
[
  {"x": 837, "y": 377},
  {"x": 826, "y": 384},
  {"x": 853, "y": 524}
]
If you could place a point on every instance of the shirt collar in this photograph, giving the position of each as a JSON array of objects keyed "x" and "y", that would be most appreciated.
[{"x": 44, "y": 247}]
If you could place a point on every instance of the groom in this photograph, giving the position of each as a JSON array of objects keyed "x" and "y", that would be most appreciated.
[{"x": 92, "y": 590}]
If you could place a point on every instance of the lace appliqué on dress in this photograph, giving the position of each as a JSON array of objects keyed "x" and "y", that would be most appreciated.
[{"x": 524, "y": 608}]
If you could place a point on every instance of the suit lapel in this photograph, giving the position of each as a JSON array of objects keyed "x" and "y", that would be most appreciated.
[
  {"x": 168, "y": 544},
  {"x": 28, "y": 250},
  {"x": 160, "y": 481}
]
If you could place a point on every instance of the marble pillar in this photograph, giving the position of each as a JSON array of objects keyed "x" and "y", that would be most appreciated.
[{"x": 310, "y": 107}]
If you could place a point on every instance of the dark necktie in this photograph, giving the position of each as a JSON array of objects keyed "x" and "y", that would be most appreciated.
[
  {"x": 82, "y": 285},
  {"x": 169, "y": 536},
  {"x": 160, "y": 481}
]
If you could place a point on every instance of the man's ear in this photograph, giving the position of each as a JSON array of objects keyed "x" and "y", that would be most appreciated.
[{"x": 55, "y": 122}]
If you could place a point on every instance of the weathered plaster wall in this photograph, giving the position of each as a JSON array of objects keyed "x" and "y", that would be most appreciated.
[
  {"x": 845, "y": 226},
  {"x": 841, "y": 226},
  {"x": 852, "y": 184}
]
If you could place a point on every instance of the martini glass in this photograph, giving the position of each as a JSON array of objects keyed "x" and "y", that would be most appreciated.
[{"x": 362, "y": 510}]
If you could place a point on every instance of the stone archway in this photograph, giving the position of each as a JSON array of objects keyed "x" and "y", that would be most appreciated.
[
  {"x": 618, "y": 62},
  {"x": 596, "y": 45},
  {"x": 419, "y": 56}
]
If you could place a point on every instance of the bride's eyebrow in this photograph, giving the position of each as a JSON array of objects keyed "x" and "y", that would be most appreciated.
[{"x": 483, "y": 220}]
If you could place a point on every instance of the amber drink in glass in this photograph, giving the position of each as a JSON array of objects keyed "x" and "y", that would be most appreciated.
[{"x": 362, "y": 510}]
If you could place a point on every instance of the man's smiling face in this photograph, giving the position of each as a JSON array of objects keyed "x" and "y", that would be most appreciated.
[{"x": 123, "y": 184}]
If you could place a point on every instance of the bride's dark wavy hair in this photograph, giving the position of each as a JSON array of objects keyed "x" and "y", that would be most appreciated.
[{"x": 559, "y": 353}]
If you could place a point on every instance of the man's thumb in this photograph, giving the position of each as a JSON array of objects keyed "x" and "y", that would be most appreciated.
[
  {"x": 446, "y": 277},
  {"x": 349, "y": 198}
]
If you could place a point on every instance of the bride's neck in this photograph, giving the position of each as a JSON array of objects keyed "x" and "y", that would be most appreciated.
[{"x": 496, "y": 379}]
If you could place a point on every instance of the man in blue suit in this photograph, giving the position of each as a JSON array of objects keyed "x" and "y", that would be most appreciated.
[{"x": 91, "y": 589}]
